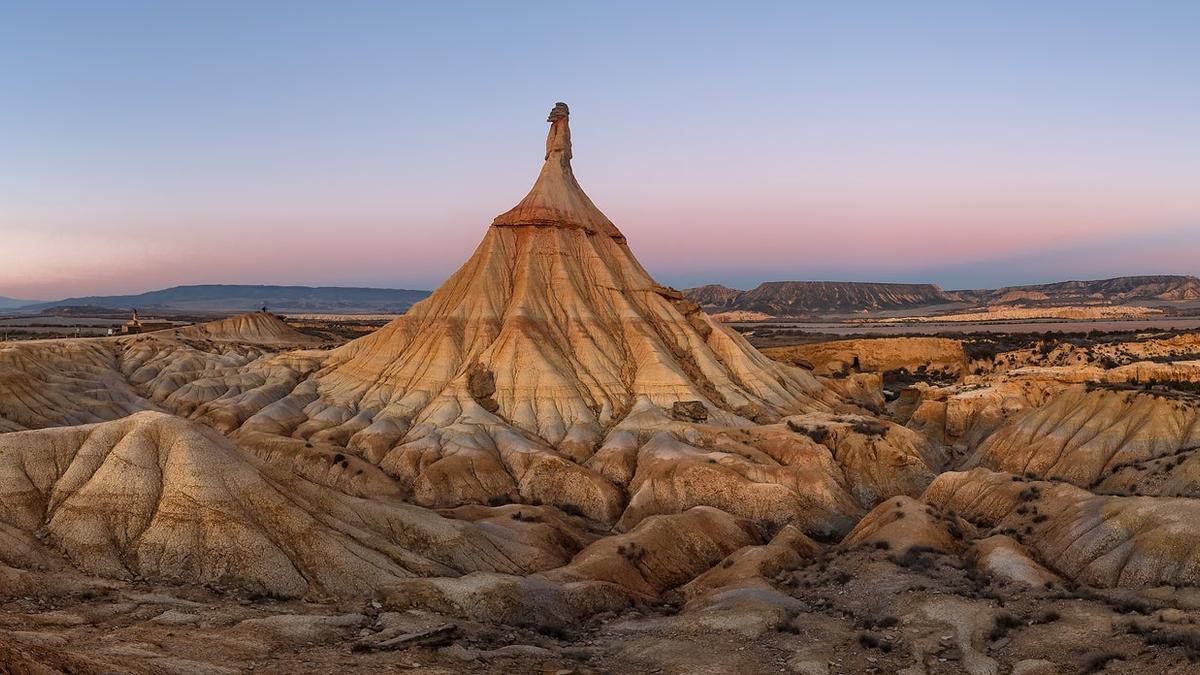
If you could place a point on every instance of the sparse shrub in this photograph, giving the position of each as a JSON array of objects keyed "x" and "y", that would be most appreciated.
[
  {"x": 870, "y": 640},
  {"x": 818, "y": 434},
  {"x": 914, "y": 558},
  {"x": 525, "y": 518},
  {"x": 556, "y": 632},
  {"x": 1098, "y": 661},
  {"x": 1048, "y": 616},
  {"x": 1002, "y": 624},
  {"x": 955, "y": 529},
  {"x": 1186, "y": 640},
  {"x": 786, "y": 625},
  {"x": 633, "y": 552},
  {"x": 869, "y": 428}
]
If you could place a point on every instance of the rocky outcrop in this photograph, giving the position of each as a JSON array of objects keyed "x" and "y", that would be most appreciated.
[
  {"x": 1132, "y": 542},
  {"x": 1082, "y": 436},
  {"x": 1117, "y": 289},
  {"x": 260, "y": 328},
  {"x": 783, "y": 299},
  {"x": 876, "y": 355}
]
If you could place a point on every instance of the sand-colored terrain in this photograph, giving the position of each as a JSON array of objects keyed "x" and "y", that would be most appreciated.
[
  {"x": 1013, "y": 313},
  {"x": 556, "y": 464}
]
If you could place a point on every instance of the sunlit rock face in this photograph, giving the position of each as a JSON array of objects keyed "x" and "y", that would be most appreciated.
[{"x": 550, "y": 370}]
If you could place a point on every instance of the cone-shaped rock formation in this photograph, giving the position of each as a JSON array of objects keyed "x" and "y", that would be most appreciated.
[
  {"x": 553, "y": 327},
  {"x": 556, "y": 199}
]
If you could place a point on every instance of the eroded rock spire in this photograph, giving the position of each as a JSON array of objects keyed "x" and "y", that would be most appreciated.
[{"x": 556, "y": 199}]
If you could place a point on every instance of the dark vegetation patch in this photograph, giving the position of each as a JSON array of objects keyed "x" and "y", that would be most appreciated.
[
  {"x": 817, "y": 433},
  {"x": 899, "y": 378},
  {"x": 916, "y": 558},
  {"x": 1098, "y": 661},
  {"x": 571, "y": 509},
  {"x": 1164, "y": 636},
  {"x": 869, "y": 428},
  {"x": 1002, "y": 624},
  {"x": 633, "y": 552},
  {"x": 871, "y": 640}
]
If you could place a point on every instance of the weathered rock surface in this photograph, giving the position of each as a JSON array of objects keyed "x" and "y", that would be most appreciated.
[
  {"x": 876, "y": 355},
  {"x": 555, "y": 463}
]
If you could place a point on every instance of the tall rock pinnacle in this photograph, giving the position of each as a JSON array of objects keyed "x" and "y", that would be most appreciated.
[{"x": 556, "y": 199}]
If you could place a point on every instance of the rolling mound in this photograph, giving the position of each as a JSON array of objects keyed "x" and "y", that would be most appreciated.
[
  {"x": 154, "y": 495},
  {"x": 254, "y": 328}
]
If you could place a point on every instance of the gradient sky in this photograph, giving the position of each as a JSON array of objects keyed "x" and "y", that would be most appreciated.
[{"x": 148, "y": 144}]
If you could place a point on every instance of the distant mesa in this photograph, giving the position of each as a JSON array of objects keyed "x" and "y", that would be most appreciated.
[
  {"x": 229, "y": 299},
  {"x": 1170, "y": 288},
  {"x": 803, "y": 298},
  {"x": 784, "y": 299}
]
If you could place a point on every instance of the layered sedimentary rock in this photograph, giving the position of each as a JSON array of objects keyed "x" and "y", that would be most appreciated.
[
  {"x": 550, "y": 371},
  {"x": 153, "y": 495},
  {"x": 878, "y": 355},
  {"x": 552, "y": 439}
]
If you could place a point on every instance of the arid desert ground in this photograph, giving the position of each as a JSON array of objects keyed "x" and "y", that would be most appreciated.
[{"x": 555, "y": 464}]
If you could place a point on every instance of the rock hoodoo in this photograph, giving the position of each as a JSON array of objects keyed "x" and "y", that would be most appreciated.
[
  {"x": 556, "y": 199},
  {"x": 575, "y": 334}
]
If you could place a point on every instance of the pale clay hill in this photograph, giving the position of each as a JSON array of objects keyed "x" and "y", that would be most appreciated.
[{"x": 555, "y": 463}]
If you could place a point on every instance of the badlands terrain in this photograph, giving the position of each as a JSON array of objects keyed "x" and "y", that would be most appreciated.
[{"x": 555, "y": 464}]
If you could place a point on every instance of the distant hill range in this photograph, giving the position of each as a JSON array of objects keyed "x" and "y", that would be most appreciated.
[
  {"x": 1165, "y": 288},
  {"x": 220, "y": 298},
  {"x": 801, "y": 298},
  {"x": 810, "y": 298},
  {"x": 13, "y": 303}
]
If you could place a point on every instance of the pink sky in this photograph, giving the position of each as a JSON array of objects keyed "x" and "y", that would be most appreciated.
[{"x": 965, "y": 144}]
